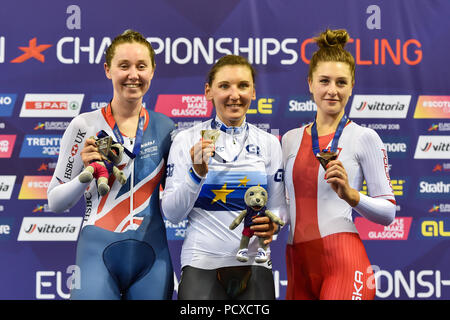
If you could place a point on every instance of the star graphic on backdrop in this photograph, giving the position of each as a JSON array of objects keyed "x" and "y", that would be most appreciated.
[
  {"x": 221, "y": 194},
  {"x": 243, "y": 182},
  {"x": 32, "y": 51}
]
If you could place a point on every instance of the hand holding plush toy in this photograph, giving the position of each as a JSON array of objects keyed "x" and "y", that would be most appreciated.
[
  {"x": 255, "y": 200},
  {"x": 111, "y": 153}
]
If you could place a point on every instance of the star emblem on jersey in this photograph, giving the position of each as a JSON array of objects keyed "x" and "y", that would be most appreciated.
[
  {"x": 221, "y": 194},
  {"x": 32, "y": 51},
  {"x": 243, "y": 182}
]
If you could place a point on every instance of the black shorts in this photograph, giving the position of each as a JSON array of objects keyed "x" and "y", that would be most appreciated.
[{"x": 236, "y": 283}]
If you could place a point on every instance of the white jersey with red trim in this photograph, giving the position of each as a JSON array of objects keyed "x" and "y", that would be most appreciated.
[
  {"x": 125, "y": 206},
  {"x": 315, "y": 209}
]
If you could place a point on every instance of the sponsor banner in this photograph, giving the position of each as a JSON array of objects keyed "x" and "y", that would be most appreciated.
[
  {"x": 40, "y": 146},
  {"x": 49, "y": 229},
  {"x": 301, "y": 106},
  {"x": 34, "y": 187},
  {"x": 399, "y": 186},
  {"x": 6, "y": 224},
  {"x": 183, "y": 105},
  {"x": 380, "y": 106},
  {"x": 7, "y": 145},
  {"x": 6, "y": 186},
  {"x": 397, "y": 146},
  {"x": 436, "y": 107},
  {"x": 382, "y": 126},
  {"x": 442, "y": 167},
  {"x": 433, "y": 188},
  {"x": 176, "y": 231},
  {"x": 99, "y": 101},
  {"x": 52, "y": 125},
  {"x": 440, "y": 208},
  {"x": 397, "y": 230},
  {"x": 264, "y": 106},
  {"x": 432, "y": 228},
  {"x": 51, "y": 105},
  {"x": 7, "y": 103},
  {"x": 440, "y": 126},
  {"x": 433, "y": 147}
]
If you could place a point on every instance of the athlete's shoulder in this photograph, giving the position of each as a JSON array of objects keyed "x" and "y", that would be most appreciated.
[
  {"x": 363, "y": 138},
  {"x": 87, "y": 120},
  {"x": 292, "y": 135},
  {"x": 160, "y": 119},
  {"x": 358, "y": 131}
]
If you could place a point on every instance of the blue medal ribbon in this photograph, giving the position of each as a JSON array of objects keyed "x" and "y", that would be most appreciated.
[
  {"x": 234, "y": 130},
  {"x": 138, "y": 140},
  {"x": 334, "y": 142}
]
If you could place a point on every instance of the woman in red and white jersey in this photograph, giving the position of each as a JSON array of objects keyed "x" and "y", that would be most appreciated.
[{"x": 326, "y": 163}]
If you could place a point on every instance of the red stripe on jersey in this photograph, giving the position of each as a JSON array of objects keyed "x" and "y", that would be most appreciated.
[
  {"x": 107, "y": 114},
  {"x": 111, "y": 180},
  {"x": 304, "y": 176},
  {"x": 116, "y": 215},
  {"x": 144, "y": 192}
]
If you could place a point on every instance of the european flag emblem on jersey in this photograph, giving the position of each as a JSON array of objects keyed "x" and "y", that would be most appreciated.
[{"x": 225, "y": 190}]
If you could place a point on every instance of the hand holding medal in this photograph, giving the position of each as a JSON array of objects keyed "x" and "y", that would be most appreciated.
[
  {"x": 335, "y": 173},
  {"x": 203, "y": 150},
  {"x": 336, "y": 176}
]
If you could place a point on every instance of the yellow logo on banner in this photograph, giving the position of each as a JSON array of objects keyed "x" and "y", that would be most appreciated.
[
  {"x": 397, "y": 186},
  {"x": 431, "y": 228},
  {"x": 264, "y": 106}
]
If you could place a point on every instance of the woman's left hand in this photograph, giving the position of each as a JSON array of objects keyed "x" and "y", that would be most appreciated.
[
  {"x": 264, "y": 228},
  {"x": 337, "y": 177}
]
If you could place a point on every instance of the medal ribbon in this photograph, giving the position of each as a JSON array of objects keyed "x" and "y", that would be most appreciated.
[
  {"x": 334, "y": 143},
  {"x": 139, "y": 135},
  {"x": 236, "y": 130}
]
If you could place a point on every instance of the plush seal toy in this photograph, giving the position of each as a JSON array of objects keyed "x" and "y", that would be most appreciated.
[
  {"x": 112, "y": 153},
  {"x": 255, "y": 199}
]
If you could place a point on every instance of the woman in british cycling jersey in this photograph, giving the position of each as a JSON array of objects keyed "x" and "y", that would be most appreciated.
[{"x": 122, "y": 250}]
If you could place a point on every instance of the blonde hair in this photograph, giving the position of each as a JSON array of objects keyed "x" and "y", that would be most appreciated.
[
  {"x": 129, "y": 36},
  {"x": 331, "y": 48}
]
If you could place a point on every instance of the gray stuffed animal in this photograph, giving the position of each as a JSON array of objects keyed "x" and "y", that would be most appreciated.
[
  {"x": 101, "y": 170},
  {"x": 255, "y": 199}
]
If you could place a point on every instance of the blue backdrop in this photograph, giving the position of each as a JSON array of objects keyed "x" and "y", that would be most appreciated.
[{"x": 51, "y": 69}]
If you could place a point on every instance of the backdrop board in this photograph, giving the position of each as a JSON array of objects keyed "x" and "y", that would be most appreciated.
[{"x": 51, "y": 69}]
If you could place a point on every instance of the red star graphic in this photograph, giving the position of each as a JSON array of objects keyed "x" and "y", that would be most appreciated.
[{"x": 32, "y": 51}]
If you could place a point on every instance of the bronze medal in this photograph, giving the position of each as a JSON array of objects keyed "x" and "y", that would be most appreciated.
[{"x": 325, "y": 157}]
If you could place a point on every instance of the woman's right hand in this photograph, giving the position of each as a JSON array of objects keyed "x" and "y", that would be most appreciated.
[
  {"x": 90, "y": 152},
  {"x": 200, "y": 154}
]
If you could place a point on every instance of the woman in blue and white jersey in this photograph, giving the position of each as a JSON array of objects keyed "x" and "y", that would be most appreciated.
[{"x": 206, "y": 183}]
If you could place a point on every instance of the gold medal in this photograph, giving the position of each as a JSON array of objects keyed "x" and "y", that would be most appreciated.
[{"x": 210, "y": 134}]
